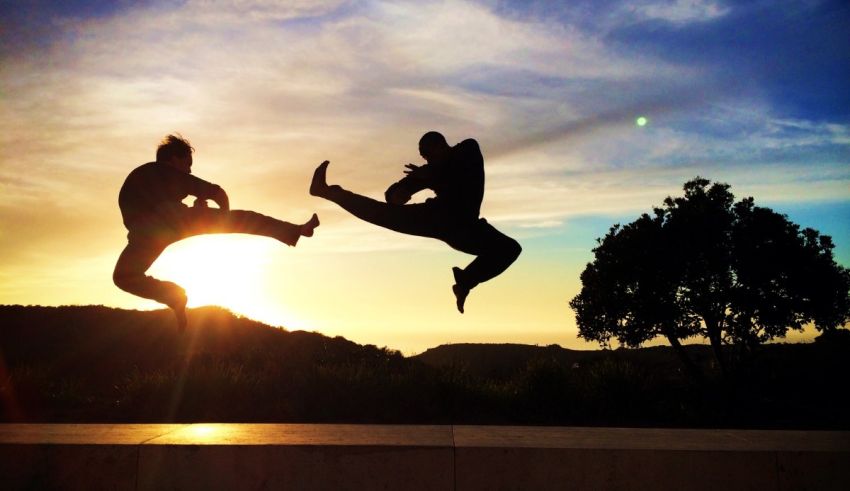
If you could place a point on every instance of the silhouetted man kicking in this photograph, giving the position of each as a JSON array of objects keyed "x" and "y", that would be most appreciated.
[
  {"x": 153, "y": 212},
  {"x": 456, "y": 175}
]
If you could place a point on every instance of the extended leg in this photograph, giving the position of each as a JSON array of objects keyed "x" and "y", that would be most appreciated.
[
  {"x": 200, "y": 220},
  {"x": 416, "y": 219},
  {"x": 495, "y": 251},
  {"x": 129, "y": 275}
]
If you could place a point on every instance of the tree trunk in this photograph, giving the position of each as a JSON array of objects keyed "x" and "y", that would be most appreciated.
[
  {"x": 716, "y": 345},
  {"x": 691, "y": 368}
]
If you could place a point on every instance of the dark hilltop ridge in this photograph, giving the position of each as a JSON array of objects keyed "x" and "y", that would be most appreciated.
[
  {"x": 100, "y": 364},
  {"x": 500, "y": 361}
]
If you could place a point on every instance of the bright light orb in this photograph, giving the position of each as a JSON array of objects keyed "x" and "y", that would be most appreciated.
[
  {"x": 229, "y": 270},
  {"x": 641, "y": 121}
]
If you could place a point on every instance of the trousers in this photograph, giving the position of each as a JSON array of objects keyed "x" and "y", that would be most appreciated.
[
  {"x": 147, "y": 240},
  {"x": 494, "y": 250}
]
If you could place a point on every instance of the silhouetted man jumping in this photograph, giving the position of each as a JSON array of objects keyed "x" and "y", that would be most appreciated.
[
  {"x": 153, "y": 212},
  {"x": 456, "y": 175}
]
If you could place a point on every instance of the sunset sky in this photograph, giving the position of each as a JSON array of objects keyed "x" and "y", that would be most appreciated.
[{"x": 752, "y": 93}]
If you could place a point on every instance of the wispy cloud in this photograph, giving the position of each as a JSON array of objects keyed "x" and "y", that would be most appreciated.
[
  {"x": 751, "y": 93},
  {"x": 266, "y": 91},
  {"x": 678, "y": 11}
]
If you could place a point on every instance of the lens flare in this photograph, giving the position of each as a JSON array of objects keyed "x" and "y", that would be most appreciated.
[{"x": 641, "y": 121}]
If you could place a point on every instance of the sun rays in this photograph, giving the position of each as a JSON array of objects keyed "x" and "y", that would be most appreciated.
[{"x": 226, "y": 270}]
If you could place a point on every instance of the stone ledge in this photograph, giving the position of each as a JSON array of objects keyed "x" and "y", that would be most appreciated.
[
  {"x": 294, "y": 456},
  {"x": 542, "y": 458}
]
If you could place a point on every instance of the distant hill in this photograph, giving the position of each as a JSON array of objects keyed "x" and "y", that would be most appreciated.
[
  {"x": 504, "y": 360},
  {"x": 72, "y": 362},
  {"x": 499, "y": 360},
  {"x": 77, "y": 338}
]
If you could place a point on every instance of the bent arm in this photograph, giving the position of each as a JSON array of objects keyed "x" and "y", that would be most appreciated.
[
  {"x": 204, "y": 190},
  {"x": 417, "y": 179},
  {"x": 221, "y": 199}
]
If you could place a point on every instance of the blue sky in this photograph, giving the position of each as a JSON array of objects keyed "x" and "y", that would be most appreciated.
[{"x": 754, "y": 94}]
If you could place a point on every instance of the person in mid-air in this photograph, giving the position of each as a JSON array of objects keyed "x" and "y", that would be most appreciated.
[
  {"x": 153, "y": 212},
  {"x": 456, "y": 175}
]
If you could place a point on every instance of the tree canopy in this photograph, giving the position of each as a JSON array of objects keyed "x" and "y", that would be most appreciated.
[{"x": 703, "y": 265}]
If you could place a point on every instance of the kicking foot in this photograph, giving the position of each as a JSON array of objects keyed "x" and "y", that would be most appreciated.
[
  {"x": 319, "y": 185},
  {"x": 460, "y": 291},
  {"x": 179, "y": 309},
  {"x": 307, "y": 228}
]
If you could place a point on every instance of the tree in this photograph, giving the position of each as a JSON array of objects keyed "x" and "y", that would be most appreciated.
[
  {"x": 705, "y": 266},
  {"x": 629, "y": 294}
]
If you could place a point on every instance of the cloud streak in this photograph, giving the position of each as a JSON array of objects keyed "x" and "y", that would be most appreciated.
[{"x": 265, "y": 91}]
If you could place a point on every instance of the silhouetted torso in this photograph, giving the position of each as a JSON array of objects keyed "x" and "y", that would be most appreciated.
[
  {"x": 457, "y": 182},
  {"x": 152, "y": 188}
]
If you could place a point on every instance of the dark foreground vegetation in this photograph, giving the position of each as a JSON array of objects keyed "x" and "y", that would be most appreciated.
[{"x": 97, "y": 364}]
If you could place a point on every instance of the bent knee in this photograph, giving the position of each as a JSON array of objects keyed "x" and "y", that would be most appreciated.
[
  {"x": 124, "y": 280},
  {"x": 512, "y": 249},
  {"x": 120, "y": 280},
  {"x": 515, "y": 249}
]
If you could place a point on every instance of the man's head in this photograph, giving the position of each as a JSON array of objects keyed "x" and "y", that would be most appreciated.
[
  {"x": 433, "y": 147},
  {"x": 175, "y": 151}
]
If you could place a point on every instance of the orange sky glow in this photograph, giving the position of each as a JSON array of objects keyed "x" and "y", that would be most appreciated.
[{"x": 265, "y": 93}]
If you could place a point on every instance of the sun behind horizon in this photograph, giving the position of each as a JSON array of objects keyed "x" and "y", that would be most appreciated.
[{"x": 228, "y": 270}]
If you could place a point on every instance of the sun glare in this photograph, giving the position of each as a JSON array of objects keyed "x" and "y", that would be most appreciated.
[{"x": 226, "y": 270}]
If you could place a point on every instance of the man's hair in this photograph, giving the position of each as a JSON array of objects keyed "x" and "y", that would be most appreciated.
[
  {"x": 173, "y": 146},
  {"x": 433, "y": 138}
]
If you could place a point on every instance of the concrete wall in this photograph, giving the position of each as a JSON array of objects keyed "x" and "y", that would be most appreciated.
[{"x": 281, "y": 456}]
